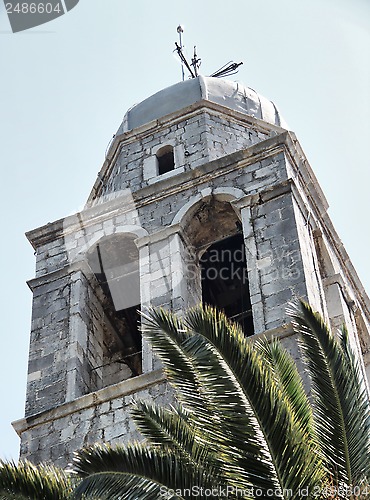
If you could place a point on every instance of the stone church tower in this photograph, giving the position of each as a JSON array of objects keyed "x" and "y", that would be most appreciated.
[{"x": 204, "y": 195}]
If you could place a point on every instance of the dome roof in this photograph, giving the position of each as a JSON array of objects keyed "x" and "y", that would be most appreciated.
[{"x": 232, "y": 95}]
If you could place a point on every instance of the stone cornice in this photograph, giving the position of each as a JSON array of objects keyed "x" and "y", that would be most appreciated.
[
  {"x": 69, "y": 269},
  {"x": 121, "y": 389},
  {"x": 44, "y": 234}
]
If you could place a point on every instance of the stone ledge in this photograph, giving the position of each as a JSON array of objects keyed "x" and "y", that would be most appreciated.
[
  {"x": 78, "y": 266},
  {"x": 280, "y": 332},
  {"x": 267, "y": 194},
  {"x": 123, "y": 388}
]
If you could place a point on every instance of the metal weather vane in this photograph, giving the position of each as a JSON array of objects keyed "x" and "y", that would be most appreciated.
[{"x": 230, "y": 68}]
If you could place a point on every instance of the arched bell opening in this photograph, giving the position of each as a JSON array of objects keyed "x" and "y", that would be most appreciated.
[
  {"x": 225, "y": 282},
  {"x": 215, "y": 233}
]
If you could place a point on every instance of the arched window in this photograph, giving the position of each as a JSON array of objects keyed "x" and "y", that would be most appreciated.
[{"x": 165, "y": 160}]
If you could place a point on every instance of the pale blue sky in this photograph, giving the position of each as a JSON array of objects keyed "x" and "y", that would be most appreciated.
[{"x": 65, "y": 86}]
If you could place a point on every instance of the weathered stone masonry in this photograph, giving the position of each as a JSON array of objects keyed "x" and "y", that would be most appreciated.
[{"x": 236, "y": 171}]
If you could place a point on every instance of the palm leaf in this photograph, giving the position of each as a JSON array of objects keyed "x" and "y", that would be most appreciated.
[
  {"x": 231, "y": 426},
  {"x": 136, "y": 471},
  {"x": 171, "y": 428},
  {"x": 118, "y": 486},
  {"x": 359, "y": 423},
  {"x": 289, "y": 381},
  {"x": 341, "y": 404},
  {"x": 26, "y": 480},
  {"x": 166, "y": 333}
]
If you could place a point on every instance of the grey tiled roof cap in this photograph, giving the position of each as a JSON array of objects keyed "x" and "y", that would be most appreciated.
[{"x": 233, "y": 95}]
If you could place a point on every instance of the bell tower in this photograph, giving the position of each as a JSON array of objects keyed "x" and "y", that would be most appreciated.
[{"x": 205, "y": 195}]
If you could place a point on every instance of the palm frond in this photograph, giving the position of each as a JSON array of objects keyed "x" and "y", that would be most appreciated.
[
  {"x": 137, "y": 468},
  {"x": 289, "y": 381},
  {"x": 166, "y": 333},
  {"x": 341, "y": 404},
  {"x": 230, "y": 425},
  {"x": 42, "y": 482},
  {"x": 293, "y": 456},
  {"x": 118, "y": 485},
  {"x": 226, "y": 424},
  {"x": 171, "y": 428}
]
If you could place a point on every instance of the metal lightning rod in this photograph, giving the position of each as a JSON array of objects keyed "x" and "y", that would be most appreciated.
[{"x": 180, "y": 30}]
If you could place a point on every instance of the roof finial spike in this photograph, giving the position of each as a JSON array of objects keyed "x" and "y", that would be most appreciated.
[
  {"x": 180, "y": 31},
  {"x": 195, "y": 62},
  {"x": 184, "y": 62}
]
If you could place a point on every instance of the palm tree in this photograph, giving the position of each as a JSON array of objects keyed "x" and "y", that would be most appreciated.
[{"x": 243, "y": 426}]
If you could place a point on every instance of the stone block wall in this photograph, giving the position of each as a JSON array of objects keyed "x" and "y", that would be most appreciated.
[
  {"x": 46, "y": 384},
  {"x": 203, "y": 137},
  {"x": 103, "y": 416},
  {"x": 70, "y": 344},
  {"x": 279, "y": 262}
]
